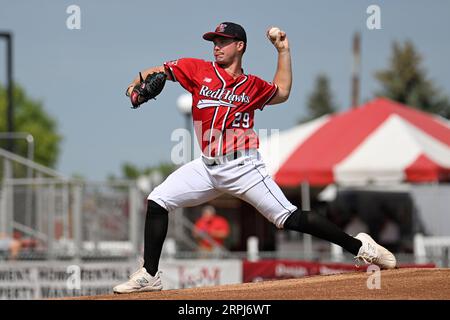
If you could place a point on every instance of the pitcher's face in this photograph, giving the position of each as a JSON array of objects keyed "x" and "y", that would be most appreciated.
[{"x": 226, "y": 50}]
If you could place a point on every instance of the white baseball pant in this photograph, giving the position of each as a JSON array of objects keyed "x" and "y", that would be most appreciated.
[{"x": 245, "y": 177}]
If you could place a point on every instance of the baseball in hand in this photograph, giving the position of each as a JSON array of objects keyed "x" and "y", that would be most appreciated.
[{"x": 273, "y": 32}]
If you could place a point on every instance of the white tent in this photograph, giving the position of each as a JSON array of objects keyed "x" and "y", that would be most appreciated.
[{"x": 379, "y": 142}]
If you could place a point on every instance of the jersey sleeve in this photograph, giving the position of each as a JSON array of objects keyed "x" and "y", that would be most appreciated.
[
  {"x": 184, "y": 71},
  {"x": 266, "y": 91}
]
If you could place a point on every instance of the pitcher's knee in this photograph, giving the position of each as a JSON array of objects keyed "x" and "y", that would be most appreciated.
[
  {"x": 295, "y": 221},
  {"x": 154, "y": 207},
  {"x": 280, "y": 220}
]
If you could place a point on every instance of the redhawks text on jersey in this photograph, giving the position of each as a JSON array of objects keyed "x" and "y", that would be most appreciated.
[{"x": 222, "y": 107}]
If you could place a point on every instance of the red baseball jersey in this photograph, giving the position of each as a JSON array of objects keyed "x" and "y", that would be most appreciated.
[{"x": 222, "y": 107}]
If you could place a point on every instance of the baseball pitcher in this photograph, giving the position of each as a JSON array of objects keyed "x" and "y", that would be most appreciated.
[{"x": 224, "y": 100}]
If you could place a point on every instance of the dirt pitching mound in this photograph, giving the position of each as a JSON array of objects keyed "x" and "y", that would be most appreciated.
[{"x": 398, "y": 284}]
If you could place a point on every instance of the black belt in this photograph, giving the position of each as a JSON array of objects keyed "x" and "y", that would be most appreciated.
[{"x": 229, "y": 157}]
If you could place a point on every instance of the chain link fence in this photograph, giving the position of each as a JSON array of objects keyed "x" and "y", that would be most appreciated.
[{"x": 65, "y": 218}]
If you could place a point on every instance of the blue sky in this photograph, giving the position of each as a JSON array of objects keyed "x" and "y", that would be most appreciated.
[{"x": 81, "y": 75}]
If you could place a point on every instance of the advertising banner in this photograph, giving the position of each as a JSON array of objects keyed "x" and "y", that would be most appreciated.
[
  {"x": 287, "y": 269},
  {"x": 51, "y": 279}
]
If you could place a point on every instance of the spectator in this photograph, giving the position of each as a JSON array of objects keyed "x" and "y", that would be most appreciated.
[
  {"x": 212, "y": 225},
  {"x": 10, "y": 245}
]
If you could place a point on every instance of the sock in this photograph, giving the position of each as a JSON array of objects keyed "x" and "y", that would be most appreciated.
[
  {"x": 318, "y": 226},
  {"x": 156, "y": 223}
]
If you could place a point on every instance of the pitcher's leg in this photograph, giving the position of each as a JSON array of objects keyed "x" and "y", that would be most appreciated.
[
  {"x": 268, "y": 199},
  {"x": 156, "y": 224},
  {"x": 364, "y": 248},
  {"x": 187, "y": 186},
  {"x": 319, "y": 226}
]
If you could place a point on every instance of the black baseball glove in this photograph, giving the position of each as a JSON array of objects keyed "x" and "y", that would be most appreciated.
[{"x": 147, "y": 89}]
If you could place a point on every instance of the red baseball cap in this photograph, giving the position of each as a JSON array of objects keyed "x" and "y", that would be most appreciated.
[{"x": 228, "y": 30}]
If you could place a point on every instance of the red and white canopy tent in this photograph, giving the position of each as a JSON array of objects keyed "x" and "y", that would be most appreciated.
[{"x": 379, "y": 142}]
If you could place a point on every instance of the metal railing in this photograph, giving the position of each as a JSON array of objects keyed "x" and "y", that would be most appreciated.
[
  {"x": 73, "y": 219},
  {"x": 69, "y": 217},
  {"x": 433, "y": 248}
]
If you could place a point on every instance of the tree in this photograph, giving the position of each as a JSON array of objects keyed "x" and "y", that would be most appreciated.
[
  {"x": 30, "y": 117},
  {"x": 405, "y": 81},
  {"x": 320, "y": 101},
  {"x": 131, "y": 171}
]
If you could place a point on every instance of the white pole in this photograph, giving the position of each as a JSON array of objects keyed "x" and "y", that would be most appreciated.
[
  {"x": 65, "y": 210},
  {"x": 252, "y": 248},
  {"x": 77, "y": 220},
  {"x": 8, "y": 174},
  {"x": 29, "y": 198},
  {"x": 51, "y": 221},
  {"x": 133, "y": 197},
  {"x": 306, "y": 206},
  {"x": 6, "y": 206}
]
